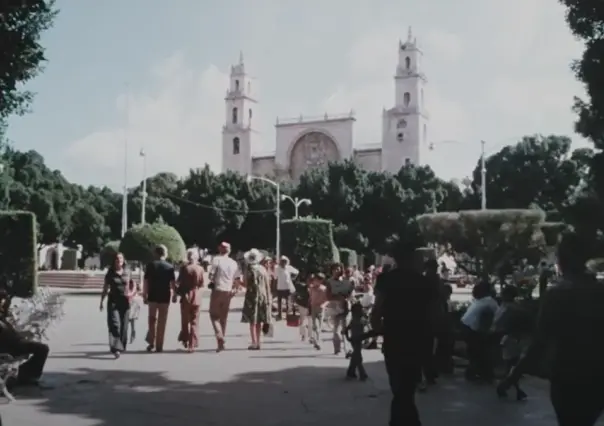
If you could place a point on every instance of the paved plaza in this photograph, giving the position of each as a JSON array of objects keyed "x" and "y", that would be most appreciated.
[{"x": 287, "y": 383}]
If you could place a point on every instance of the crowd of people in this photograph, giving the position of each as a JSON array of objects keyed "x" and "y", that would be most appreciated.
[{"x": 404, "y": 308}]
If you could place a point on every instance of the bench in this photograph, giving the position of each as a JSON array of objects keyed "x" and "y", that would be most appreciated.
[{"x": 9, "y": 369}]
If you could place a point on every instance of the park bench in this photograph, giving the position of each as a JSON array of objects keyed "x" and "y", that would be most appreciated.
[{"x": 32, "y": 319}]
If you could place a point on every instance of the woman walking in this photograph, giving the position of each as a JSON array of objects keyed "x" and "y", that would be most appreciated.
[
  {"x": 257, "y": 303},
  {"x": 119, "y": 290},
  {"x": 189, "y": 287}
]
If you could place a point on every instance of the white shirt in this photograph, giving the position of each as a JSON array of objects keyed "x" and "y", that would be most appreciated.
[
  {"x": 284, "y": 277},
  {"x": 223, "y": 273},
  {"x": 471, "y": 318}
]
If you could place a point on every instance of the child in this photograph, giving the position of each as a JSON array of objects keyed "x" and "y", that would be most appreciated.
[
  {"x": 514, "y": 324},
  {"x": 135, "y": 308},
  {"x": 302, "y": 301},
  {"x": 355, "y": 332},
  {"x": 317, "y": 300}
]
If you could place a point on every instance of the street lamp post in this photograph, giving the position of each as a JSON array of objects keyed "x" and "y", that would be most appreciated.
[
  {"x": 277, "y": 207},
  {"x": 143, "y": 155},
  {"x": 297, "y": 202}
]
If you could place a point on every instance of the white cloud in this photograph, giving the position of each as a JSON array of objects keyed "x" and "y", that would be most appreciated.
[{"x": 178, "y": 124}]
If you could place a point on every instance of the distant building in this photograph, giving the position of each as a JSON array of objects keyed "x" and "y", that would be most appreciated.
[{"x": 309, "y": 142}]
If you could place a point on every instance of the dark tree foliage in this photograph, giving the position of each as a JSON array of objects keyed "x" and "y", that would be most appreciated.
[{"x": 21, "y": 55}]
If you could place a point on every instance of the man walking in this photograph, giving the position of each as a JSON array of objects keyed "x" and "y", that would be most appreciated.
[
  {"x": 158, "y": 290},
  {"x": 402, "y": 314},
  {"x": 223, "y": 273},
  {"x": 569, "y": 335}
]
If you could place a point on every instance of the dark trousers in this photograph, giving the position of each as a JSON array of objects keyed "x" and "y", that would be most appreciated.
[
  {"x": 480, "y": 355},
  {"x": 577, "y": 404},
  {"x": 31, "y": 369},
  {"x": 118, "y": 321},
  {"x": 356, "y": 361},
  {"x": 404, "y": 374},
  {"x": 443, "y": 356},
  {"x": 428, "y": 359},
  {"x": 282, "y": 295}
]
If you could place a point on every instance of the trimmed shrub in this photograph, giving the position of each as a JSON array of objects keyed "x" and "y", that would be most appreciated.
[
  {"x": 108, "y": 253},
  {"x": 348, "y": 257},
  {"x": 18, "y": 251},
  {"x": 140, "y": 242},
  {"x": 308, "y": 242}
]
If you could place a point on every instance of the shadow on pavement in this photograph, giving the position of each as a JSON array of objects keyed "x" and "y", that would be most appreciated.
[{"x": 295, "y": 396}]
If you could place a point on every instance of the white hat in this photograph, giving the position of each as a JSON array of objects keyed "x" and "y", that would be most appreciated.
[
  {"x": 284, "y": 258},
  {"x": 253, "y": 256}
]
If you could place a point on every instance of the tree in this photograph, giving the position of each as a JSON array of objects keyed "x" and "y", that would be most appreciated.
[
  {"x": 539, "y": 171},
  {"x": 483, "y": 241},
  {"x": 21, "y": 54},
  {"x": 586, "y": 21},
  {"x": 140, "y": 241}
]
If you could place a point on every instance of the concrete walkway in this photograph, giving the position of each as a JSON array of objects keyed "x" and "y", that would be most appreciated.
[{"x": 287, "y": 383}]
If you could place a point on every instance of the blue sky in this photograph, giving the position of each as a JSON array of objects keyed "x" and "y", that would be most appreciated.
[{"x": 496, "y": 70}]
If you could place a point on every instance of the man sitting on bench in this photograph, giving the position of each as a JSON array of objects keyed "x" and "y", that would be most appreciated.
[{"x": 12, "y": 343}]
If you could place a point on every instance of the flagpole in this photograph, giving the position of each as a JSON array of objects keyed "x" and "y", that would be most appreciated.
[{"x": 125, "y": 188}]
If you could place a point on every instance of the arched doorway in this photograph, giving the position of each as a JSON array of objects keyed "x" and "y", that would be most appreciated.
[{"x": 311, "y": 150}]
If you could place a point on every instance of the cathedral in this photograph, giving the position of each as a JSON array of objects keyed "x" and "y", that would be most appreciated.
[{"x": 309, "y": 142}]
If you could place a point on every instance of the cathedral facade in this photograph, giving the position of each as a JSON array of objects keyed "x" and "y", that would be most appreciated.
[{"x": 309, "y": 142}]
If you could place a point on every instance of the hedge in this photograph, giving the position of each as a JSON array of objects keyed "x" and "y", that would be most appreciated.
[
  {"x": 140, "y": 241},
  {"x": 18, "y": 251},
  {"x": 308, "y": 243},
  {"x": 348, "y": 257},
  {"x": 108, "y": 253}
]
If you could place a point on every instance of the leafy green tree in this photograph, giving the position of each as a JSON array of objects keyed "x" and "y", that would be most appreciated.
[
  {"x": 87, "y": 228},
  {"x": 212, "y": 206},
  {"x": 337, "y": 192},
  {"x": 483, "y": 241},
  {"x": 586, "y": 21},
  {"x": 21, "y": 55},
  {"x": 538, "y": 171}
]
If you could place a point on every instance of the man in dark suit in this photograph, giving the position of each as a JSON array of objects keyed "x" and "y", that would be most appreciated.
[{"x": 402, "y": 314}]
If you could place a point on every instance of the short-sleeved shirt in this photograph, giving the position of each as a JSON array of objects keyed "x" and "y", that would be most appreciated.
[
  {"x": 118, "y": 286},
  {"x": 159, "y": 274},
  {"x": 223, "y": 273}
]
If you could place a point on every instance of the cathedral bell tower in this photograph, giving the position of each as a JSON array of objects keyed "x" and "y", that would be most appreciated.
[
  {"x": 405, "y": 126},
  {"x": 237, "y": 130}
]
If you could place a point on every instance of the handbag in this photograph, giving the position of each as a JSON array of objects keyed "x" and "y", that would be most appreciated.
[
  {"x": 268, "y": 330},
  {"x": 292, "y": 319}
]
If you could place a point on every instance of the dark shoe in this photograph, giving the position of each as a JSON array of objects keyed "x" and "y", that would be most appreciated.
[
  {"x": 501, "y": 392},
  {"x": 150, "y": 348},
  {"x": 351, "y": 376},
  {"x": 116, "y": 354},
  {"x": 348, "y": 354},
  {"x": 521, "y": 395},
  {"x": 364, "y": 378}
]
